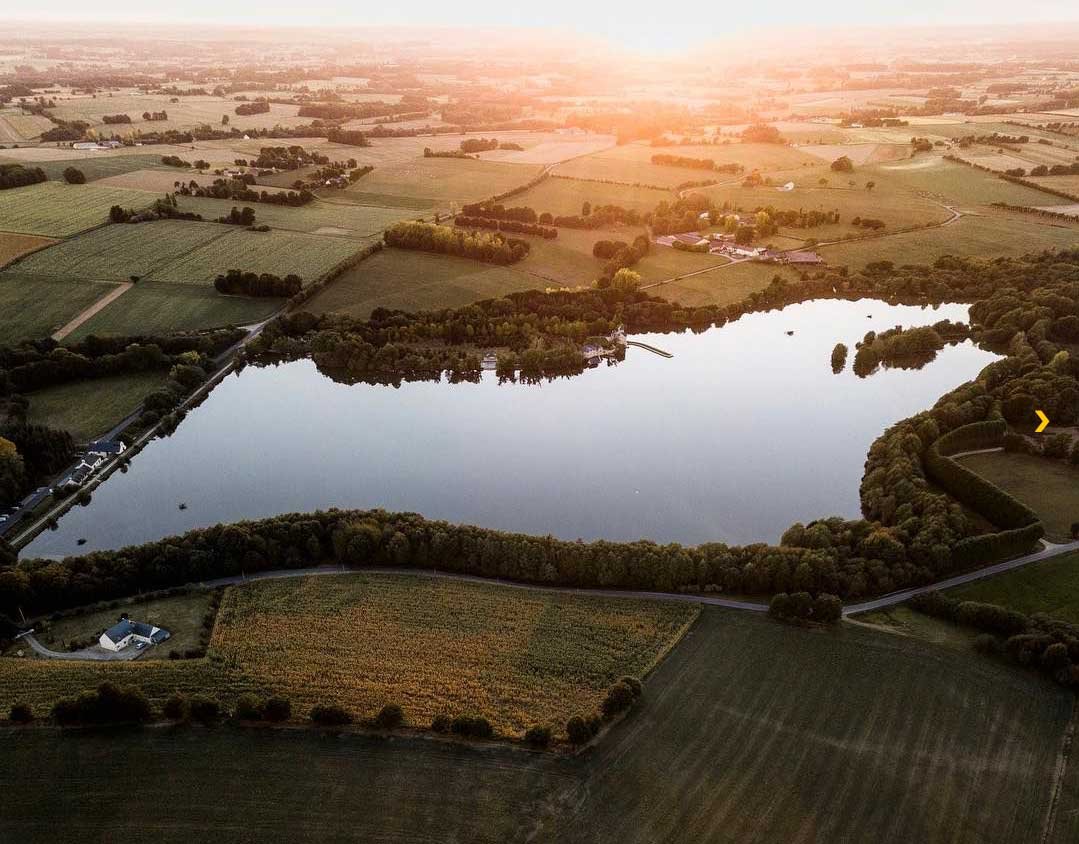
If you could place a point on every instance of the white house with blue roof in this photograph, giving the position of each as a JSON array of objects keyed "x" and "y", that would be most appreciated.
[{"x": 126, "y": 632}]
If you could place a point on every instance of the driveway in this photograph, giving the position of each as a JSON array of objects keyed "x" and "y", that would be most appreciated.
[{"x": 95, "y": 653}]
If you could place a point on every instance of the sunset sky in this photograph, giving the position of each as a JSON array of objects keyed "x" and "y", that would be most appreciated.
[{"x": 636, "y": 24}]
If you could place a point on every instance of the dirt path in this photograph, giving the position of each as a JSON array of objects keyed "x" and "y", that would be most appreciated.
[{"x": 101, "y": 303}]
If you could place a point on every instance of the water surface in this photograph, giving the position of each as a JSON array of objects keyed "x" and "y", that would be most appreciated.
[{"x": 745, "y": 431}]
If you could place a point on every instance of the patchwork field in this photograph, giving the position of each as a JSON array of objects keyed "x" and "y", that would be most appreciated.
[
  {"x": 88, "y": 409},
  {"x": 36, "y": 307},
  {"x": 54, "y": 209},
  {"x": 439, "y": 182},
  {"x": 106, "y": 168},
  {"x": 316, "y": 217},
  {"x": 16, "y": 126},
  {"x": 874, "y": 737},
  {"x": 1049, "y": 487},
  {"x": 280, "y": 252},
  {"x": 408, "y": 280},
  {"x": 14, "y": 245},
  {"x": 189, "y": 112},
  {"x": 160, "y": 308}
]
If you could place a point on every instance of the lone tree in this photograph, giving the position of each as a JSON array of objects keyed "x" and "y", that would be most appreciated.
[
  {"x": 74, "y": 176},
  {"x": 843, "y": 164}
]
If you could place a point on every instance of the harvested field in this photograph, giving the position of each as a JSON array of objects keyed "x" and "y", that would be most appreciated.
[
  {"x": 860, "y": 154},
  {"x": 54, "y": 209},
  {"x": 14, "y": 245}
]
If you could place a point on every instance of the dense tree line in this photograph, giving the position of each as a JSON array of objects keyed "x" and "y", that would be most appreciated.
[
  {"x": 803, "y": 607},
  {"x": 239, "y": 283},
  {"x": 696, "y": 163},
  {"x": 349, "y": 137},
  {"x": 912, "y": 531},
  {"x": 479, "y": 144},
  {"x": 238, "y": 191},
  {"x": 108, "y": 119},
  {"x": 17, "y": 176},
  {"x": 257, "y": 107},
  {"x": 511, "y": 226},
  {"x": 446, "y": 153},
  {"x": 1046, "y": 644},
  {"x": 429, "y": 237}
]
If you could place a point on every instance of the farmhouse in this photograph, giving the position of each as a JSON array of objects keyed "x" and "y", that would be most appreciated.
[{"x": 126, "y": 632}]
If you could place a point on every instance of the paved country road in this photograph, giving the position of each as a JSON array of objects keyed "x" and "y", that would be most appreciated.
[
  {"x": 100, "y": 654},
  {"x": 1045, "y": 553}
]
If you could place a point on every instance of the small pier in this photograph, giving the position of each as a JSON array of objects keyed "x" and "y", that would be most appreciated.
[{"x": 652, "y": 349}]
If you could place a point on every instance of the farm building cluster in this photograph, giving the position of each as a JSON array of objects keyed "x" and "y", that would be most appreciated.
[{"x": 724, "y": 244}]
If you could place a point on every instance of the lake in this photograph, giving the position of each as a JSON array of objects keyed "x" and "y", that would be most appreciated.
[{"x": 743, "y": 432}]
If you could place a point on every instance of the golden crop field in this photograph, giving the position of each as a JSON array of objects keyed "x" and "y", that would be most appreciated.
[
  {"x": 516, "y": 657},
  {"x": 14, "y": 245}
]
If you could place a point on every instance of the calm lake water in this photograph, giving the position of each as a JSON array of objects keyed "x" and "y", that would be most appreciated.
[{"x": 743, "y": 432}]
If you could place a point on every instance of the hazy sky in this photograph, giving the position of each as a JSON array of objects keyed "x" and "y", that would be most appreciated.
[{"x": 640, "y": 24}]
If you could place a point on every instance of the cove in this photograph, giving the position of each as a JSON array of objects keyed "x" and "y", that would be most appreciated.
[{"x": 743, "y": 432}]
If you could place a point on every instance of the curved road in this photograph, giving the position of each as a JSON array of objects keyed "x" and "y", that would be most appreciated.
[
  {"x": 1051, "y": 550},
  {"x": 101, "y": 655}
]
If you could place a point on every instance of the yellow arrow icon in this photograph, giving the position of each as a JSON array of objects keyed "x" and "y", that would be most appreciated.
[{"x": 1044, "y": 422}]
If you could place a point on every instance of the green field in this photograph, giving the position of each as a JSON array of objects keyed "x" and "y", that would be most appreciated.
[
  {"x": 970, "y": 236},
  {"x": 1049, "y": 487},
  {"x": 955, "y": 184},
  {"x": 181, "y": 615},
  {"x": 279, "y": 252},
  {"x": 1050, "y": 587},
  {"x": 439, "y": 182},
  {"x": 395, "y": 278},
  {"x": 160, "y": 308},
  {"x": 103, "y": 166},
  {"x": 748, "y": 732},
  {"x": 117, "y": 252},
  {"x": 566, "y": 196},
  {"x": 724, "y": 285},
  {"x": 55, "y": 209},
  {"x": 318, "y": 217},
  {"x": 36, "y": 307},
  {"x": 88, "y": 409}
]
